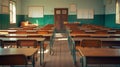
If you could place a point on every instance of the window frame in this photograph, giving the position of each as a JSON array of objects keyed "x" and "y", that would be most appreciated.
[{"x": 12, "y": 11}]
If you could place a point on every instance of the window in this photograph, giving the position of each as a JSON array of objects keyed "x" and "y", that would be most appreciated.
[
  {"x": 117, "y": 12},
  {"x": 12, "y": 12}
]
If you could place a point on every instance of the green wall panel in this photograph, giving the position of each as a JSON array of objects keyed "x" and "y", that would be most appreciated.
[
  {"x": 49, "y": 19},
  {"x": 40, "y": 21},
  {"x": 110, "y": 21},
  {"x": 98, "y": 20},
  {"x": 19, "y": 19},
  {"x": 4, "y": 21},
  {"x": 0, "y": 21},
  {"x": 72, "y": 18}
]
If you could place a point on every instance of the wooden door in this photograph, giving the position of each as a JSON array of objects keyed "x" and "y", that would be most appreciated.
[{"x": 60, "y": 16}]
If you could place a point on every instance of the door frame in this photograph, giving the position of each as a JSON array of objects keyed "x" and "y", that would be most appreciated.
[{"x": 61, "y": 17}]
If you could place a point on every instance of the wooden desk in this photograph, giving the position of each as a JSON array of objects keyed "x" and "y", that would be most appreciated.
[
  {"x": 25, "y": 35},
  {"x": 99, "y": 56},
  {"x": 16, "y": 35},
  {"x": 15, "y": 28},
  {"x": 93, "y": 31},
  {"x": 105, "y": 41},
  {"x": 31, "y": 31},
  {"x": 6, "y": 31},
  {"x": 40, "y": 41},
  {"x": 28, "y": 52},
  {"x": 96, "y": 35},
  {"x": 46, "y": 36}
]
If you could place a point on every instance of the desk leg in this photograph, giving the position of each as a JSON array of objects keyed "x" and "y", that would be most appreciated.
[
  {"x": 83, "y": 61},
  {"x": 51, "y": 45},
  {"x": 42, "y": 53},
  {"x": 117, "y": 65},
  {"x": 73, "y": 51},
  {"x": 74, "y": 55},
  {"x": 33, "y": 60}
]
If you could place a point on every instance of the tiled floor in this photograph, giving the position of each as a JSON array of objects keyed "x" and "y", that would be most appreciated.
[{"x": 61, "y": 57}]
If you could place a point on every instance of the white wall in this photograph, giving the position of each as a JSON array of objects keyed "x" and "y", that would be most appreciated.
[
  {"x": 49, "y": 5},
  {"x": 18, "y": 7}
]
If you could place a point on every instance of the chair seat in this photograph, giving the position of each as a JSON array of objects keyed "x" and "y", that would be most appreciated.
[
  {"x": 13, "y": 59},
  {"x": 116, "y": 47}
]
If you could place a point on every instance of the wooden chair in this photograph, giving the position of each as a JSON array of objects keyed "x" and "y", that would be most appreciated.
[
  {"x": 27, "y": 43},
  {"x": 42, "y": 32},
  {"x": 28, "y": 28},
  {"x": 21, "y": 32},
  {"x": 117, "y": 32},
  {"x": 2, "y": 36},
  {"x": 23, "y": 43},
  {"x": 1, "y": 44},
  {"x": 34, "y": 36},
  {"x": 101, "y": 32},
  {"x": 91, "y": 43},
  {"x": 31, "y": 32},
  {"x": 13, "y": 59},
  {"x": 78, "y": 32}
]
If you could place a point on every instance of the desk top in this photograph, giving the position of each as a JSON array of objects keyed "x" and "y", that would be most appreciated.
[
  {"x": 15, "y": 39},
  {"x": 96, "y": 35},
  {"x": 25, "y": 51},
  {"x": 92, "y": 31},
  {"x": 102, "y": 39},
  {"x": 99, "y": 52},
  {"x": 25, "y": 35}
]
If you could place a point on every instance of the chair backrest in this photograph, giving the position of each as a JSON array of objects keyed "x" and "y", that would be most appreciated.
[
  {"x": 27, "y": 43},
  {"x": 91, "y": 43},
  {"x": 42, "y": 32},
  {"x": 15, "y": 59},
  {"x": 78, "y": 32},
  {"x": 21, "y": 32},
  {"x": 117, "y": 32},
  {"x": 1, "y": 44},
  {"x": 34, "y": 36},
  {"x": 28, "y": 28},
  {"x": 101, "y": 32}
]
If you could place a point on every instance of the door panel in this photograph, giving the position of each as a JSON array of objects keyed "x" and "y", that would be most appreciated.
[{"x": 61, "y": 15}]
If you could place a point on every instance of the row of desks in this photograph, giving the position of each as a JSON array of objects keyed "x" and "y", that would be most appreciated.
[
  {"x": 28, "y": 52},
  {"x": 40, "y": 41},
  {"x": 102, "y": 39},
  {"x": 93, "y": 31},
  {"x": 27, "y": 31},
  {"x": 99, "y": 55},
  {"x": 108, "y": 42},
  {"x": 47, "y": 36},
  {"x": 96, "y": 35},
  {"x": 26, "y": 35}
]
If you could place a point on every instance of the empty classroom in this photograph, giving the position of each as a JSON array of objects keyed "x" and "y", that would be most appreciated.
[{"x": 60, "y": 33}]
